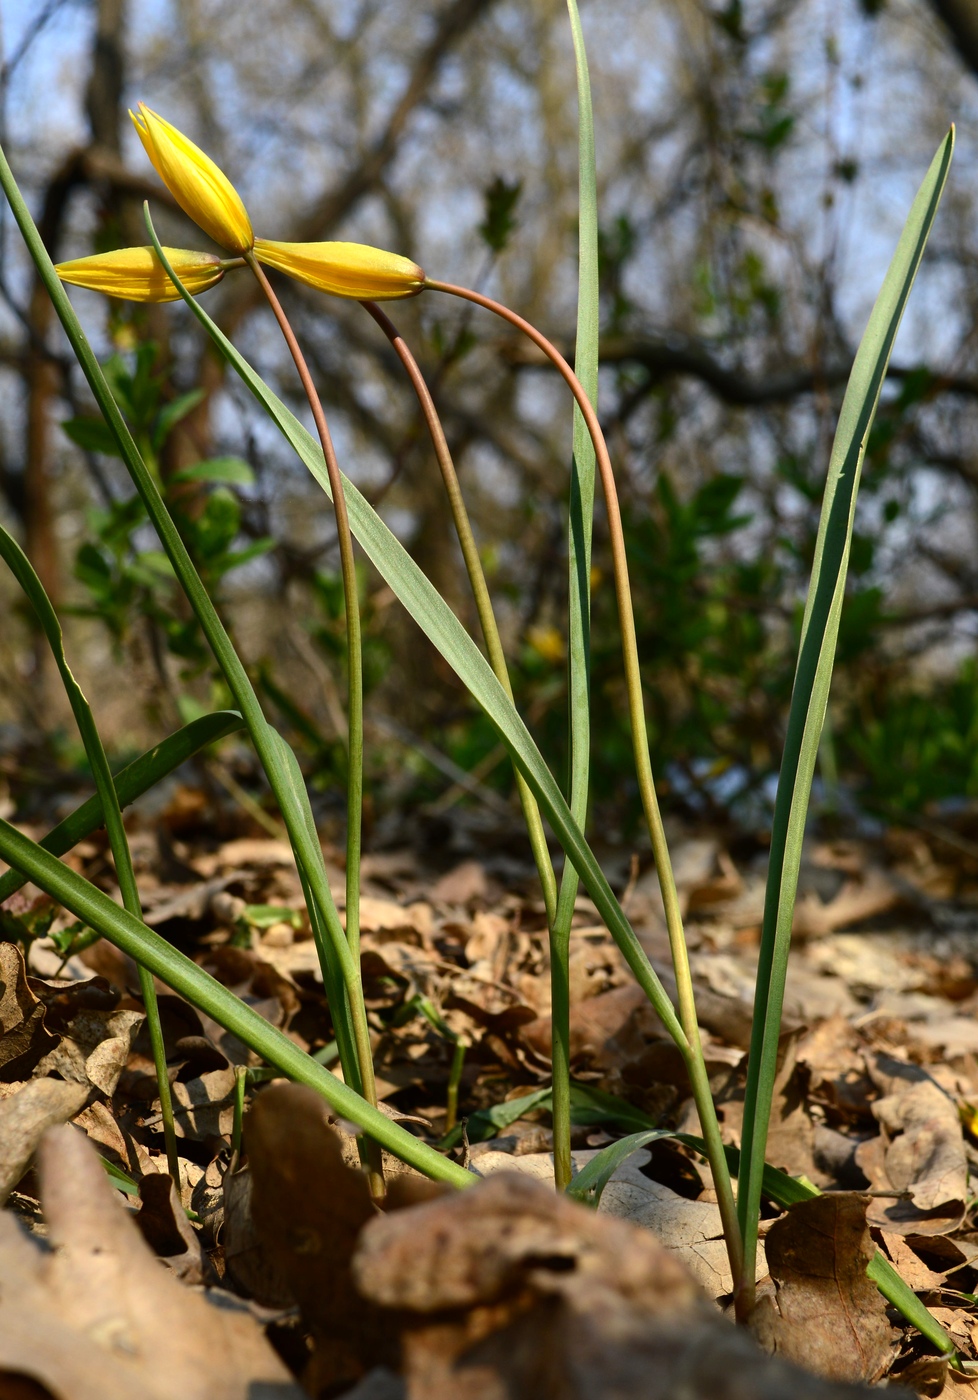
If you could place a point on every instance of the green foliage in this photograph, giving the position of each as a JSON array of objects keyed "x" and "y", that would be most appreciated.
[
  {"x": 23, "y": 927},
  {"x": 129, "y": 581},
  {"x": 914, "y": 745},
  {"x": 500, "y": 222},
  {"x": 774, "y": 120},
  {"x": 617, "y": 244}
]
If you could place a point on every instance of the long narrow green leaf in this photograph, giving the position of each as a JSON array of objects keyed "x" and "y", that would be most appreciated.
[
  {"x": 433, "y": 615},
  {"x": 131, "y": 782},
  {"x": 582, "y": 474},
  {"x": 588, "y": 1186},
  {"x": 581, "y": 518},
  {"x": 814, "y": 674},
  {"x": 22, "y": 569},
  {"x": 87, "y": 902}
]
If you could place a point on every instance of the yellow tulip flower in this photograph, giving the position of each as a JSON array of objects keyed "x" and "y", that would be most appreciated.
[
  {"x": 344, "y": 269},
  {"x": 201, "y": 189},
  {"x": 136, "y": 274}
]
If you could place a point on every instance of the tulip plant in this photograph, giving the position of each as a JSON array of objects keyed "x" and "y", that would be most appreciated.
[{"x": 369, "y": 275}]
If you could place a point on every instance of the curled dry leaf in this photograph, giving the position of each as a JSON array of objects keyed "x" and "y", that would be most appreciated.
[
  {"x": 921, "y": 1153},
  {"x": 96, "y": 1318},
  {"x": 24, "y": 1037},
  {"x": 164, "y": 1226},
  {"x": 511, "y": 1290},
  {"x": 95, "y": 1048},
  {"x": 823, "y": 1312}
]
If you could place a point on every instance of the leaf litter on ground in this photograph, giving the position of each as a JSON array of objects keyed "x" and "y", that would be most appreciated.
[{"x": 877, "y": 1103}]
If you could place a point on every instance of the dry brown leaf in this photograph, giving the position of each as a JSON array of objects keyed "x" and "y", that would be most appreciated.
[
  {"x": 24, "y": 1037},
  {"x": 250, "y": 1268},
  {"x": 466, "y": 882},
  {"x": 823, "y": 1312},
  {"x": 510, "y": 1290},
  {"x": 164, "y": 1226},
  {"x": 909, "y": 1264},
  {"x": 97, "y": 1318},
  {"x": 204, "y": 1107},
  {"x": 95, "y": 1048},
  {"x": 614, "y": 1025},
  {"x": 25, "y": 1117},
  {"x": 384, "y": 917},
  {"x": 690, "y": 1229},
  {"x": 920, "y": 1153},
  {"x": 833, "y": 1054},
  {"x": 308, "y": 1208},
  {"x": 791, "y": 1136},
  {"x": 857, "y": 900}
]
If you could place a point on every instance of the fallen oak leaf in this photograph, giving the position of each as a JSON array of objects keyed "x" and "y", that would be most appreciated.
[{"x": 822, "y": 1311}]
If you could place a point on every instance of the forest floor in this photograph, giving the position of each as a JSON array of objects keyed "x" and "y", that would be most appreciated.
[{"x": 282, "y": 1277}]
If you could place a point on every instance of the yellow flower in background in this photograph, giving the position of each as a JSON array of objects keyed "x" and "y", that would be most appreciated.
[
  {"x": 136, "y": 274},
  {"x": 344, "y": 269},
  {"x": 548, "y": 643},
  {"x": 202, "y": 190}
]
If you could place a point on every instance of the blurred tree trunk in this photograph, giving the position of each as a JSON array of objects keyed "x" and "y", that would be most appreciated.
[
  {"x": 102, "y": 100},
  {"x": 961, "y": 21}
]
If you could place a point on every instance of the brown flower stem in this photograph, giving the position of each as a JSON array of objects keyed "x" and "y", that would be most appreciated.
[
  {"x": 693, "y": 1051},
  {"x": 480, "y": 589},
  {"x": 355, "y": 699}
]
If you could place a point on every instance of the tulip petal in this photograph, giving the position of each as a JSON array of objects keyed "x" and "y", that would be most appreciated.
[
  {"x": 136, "y": 274},
  {"x": 344, "y": 269},
  {"x": 201, "y": 189}
]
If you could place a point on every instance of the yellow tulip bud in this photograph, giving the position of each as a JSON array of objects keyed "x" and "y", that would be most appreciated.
[
  {"x": 136, "y": 274},
  {"x": 198, "y": 186},
  {"x": 344, "y": 269}
]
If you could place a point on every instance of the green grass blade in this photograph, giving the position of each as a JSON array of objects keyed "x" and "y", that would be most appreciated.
[
  {"x": 121, "y": 928},
  {"x": 588, "y": 1186},
  {"x": 813, "y": 677},
  {"x": 433, "y": 615},
  {"x": 131, "y": 782},
  {"x": 581, "y": 518},
  {"x": 906, "y": 1302}
]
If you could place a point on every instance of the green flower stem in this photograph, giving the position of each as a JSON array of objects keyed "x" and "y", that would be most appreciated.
[
  {"x": 693, "y": 1054},
  {"x": 354, "y": 651},
  {"x": 22, "y": 569},
  {"x": 354, "y": 643},
  {"x": 480, "y": 589},
  {"x": 174, "y": 968}
]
